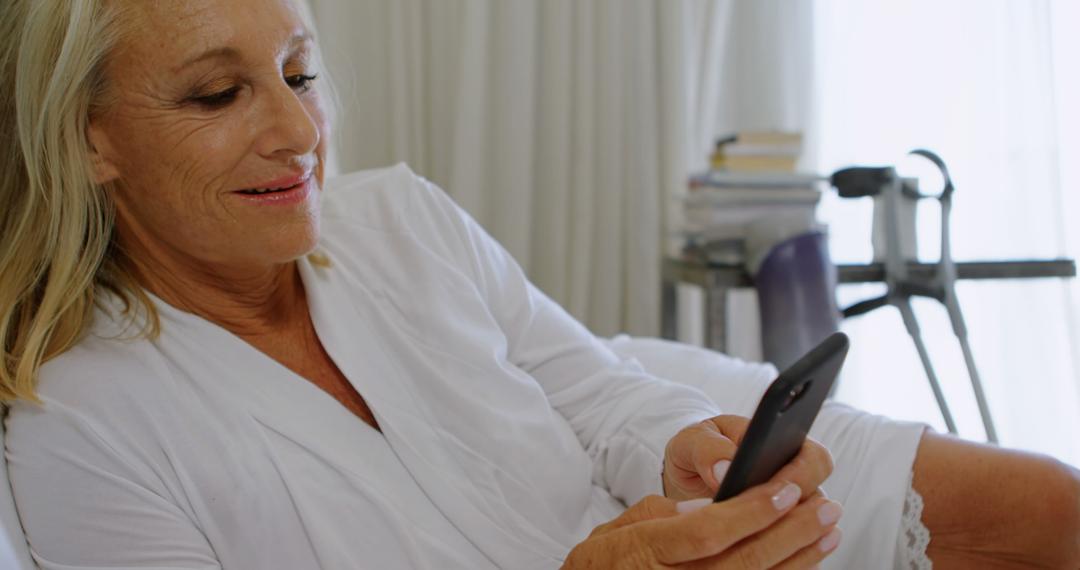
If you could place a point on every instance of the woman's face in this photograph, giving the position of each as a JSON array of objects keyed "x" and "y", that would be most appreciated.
[{"x": 209, "y": 103}]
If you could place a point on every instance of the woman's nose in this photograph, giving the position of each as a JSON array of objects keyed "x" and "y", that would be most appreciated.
[{"x": 289, "y": 127}]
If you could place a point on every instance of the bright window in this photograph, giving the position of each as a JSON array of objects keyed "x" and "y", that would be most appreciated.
[{"x": 991, "y": 85}]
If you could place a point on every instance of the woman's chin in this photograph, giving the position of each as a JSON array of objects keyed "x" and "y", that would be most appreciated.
[
  {"x": 286, "y": 247},
  {"x": 301, "y": 248}
]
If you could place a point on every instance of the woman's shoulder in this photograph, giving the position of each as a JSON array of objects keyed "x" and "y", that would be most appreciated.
[
  {"x": 391, "y": 199},
  {"x": 397, "y": 222},
  {"x": 103, "y": 423},
  {"x": 110, "y": 371},
  {"x": 108, "y": 404},
  {"x": 376, "y": 199}
]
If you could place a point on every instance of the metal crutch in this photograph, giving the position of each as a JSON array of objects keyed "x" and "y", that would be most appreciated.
[
  {"x": 901, "y": 286},
  {"x": 944, "y": 280}
]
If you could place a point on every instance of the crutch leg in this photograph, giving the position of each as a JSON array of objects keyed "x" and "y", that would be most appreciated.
[
  {"x": 916, "y": 335},
  {"x": 952, "y": 305}
]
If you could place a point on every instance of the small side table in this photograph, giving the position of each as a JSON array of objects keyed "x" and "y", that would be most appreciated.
[{"x": 717, "y": 280}]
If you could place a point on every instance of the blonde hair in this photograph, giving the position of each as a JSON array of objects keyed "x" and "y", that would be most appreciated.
[{"x": 56, "y": 223}]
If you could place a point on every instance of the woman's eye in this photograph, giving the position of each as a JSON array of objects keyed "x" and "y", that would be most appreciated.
[
  {"x": 219, "y": 99},
  {"x": 301, "y": 83}
]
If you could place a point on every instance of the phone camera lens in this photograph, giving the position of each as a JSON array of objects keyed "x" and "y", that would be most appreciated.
[{"x": 796, "y": 393}]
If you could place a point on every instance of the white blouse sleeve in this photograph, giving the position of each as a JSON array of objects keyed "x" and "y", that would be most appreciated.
[
  {"x": 623, "y": 417},
  {"x": 83, "y": 506}
]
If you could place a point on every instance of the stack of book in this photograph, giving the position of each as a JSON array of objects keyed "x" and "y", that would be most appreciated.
[
  {"x": 765, "y": 151},
  {"x": 724, "y": 206}
]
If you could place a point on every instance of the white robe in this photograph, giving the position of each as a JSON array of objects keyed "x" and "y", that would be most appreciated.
[{"x": 509, "y": 431}]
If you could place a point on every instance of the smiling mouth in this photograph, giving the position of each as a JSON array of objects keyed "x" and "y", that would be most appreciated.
[{"x": 255, "y": 191}]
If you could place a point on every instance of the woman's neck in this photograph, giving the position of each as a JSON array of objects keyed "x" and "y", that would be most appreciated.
[{"x": 250, "y": 302}]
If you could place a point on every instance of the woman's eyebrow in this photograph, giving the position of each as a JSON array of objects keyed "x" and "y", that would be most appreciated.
[
  {"x": 221, "y": 52},
  {"x": 228, "y": 52}
]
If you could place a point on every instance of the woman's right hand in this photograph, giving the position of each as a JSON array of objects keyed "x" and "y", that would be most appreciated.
[{"x": 764, "y": 527}]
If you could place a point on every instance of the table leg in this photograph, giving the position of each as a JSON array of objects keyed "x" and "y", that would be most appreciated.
[
  {"x": 716, "y": 311},
  {"x": 669, "y": 310}
]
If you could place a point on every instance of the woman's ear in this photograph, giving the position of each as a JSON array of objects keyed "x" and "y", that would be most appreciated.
[{"x": 103, "y": 168}]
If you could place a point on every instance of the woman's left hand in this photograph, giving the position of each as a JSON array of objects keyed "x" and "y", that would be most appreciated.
[{"x": 697, "y": 458}]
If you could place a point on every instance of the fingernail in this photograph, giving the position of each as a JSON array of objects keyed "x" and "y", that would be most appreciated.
[
  {"x": 692, "y": 504},
  {"x": 830, "y": 541},
  {"x": 787, "y": 497},
  {"x": 829, "y": 513},
  {"x": 720, "y": 469}
]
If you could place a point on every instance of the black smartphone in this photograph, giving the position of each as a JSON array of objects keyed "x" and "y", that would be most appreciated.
[{"x": 784, "y": 416}]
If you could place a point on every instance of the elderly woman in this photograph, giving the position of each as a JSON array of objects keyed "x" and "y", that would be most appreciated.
[{"x": 213, "y": 360}]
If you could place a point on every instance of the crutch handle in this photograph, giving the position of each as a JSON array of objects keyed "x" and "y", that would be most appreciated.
[{"x": 860, "y": 181}]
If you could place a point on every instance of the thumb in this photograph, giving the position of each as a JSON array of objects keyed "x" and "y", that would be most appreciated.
[{"x": 692, "y": 458}]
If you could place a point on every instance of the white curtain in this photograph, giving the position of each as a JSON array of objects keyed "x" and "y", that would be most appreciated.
[
  {"x": 561, "y": 125},
  {"x": 991, "y": 85}
]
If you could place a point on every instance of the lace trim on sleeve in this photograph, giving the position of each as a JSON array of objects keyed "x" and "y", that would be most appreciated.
[{"x": 914, "y": 537}]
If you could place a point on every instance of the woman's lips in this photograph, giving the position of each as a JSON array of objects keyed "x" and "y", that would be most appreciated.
[
  {"x": 281, "y": 183},
  {"x": 293, "y": 190}
]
